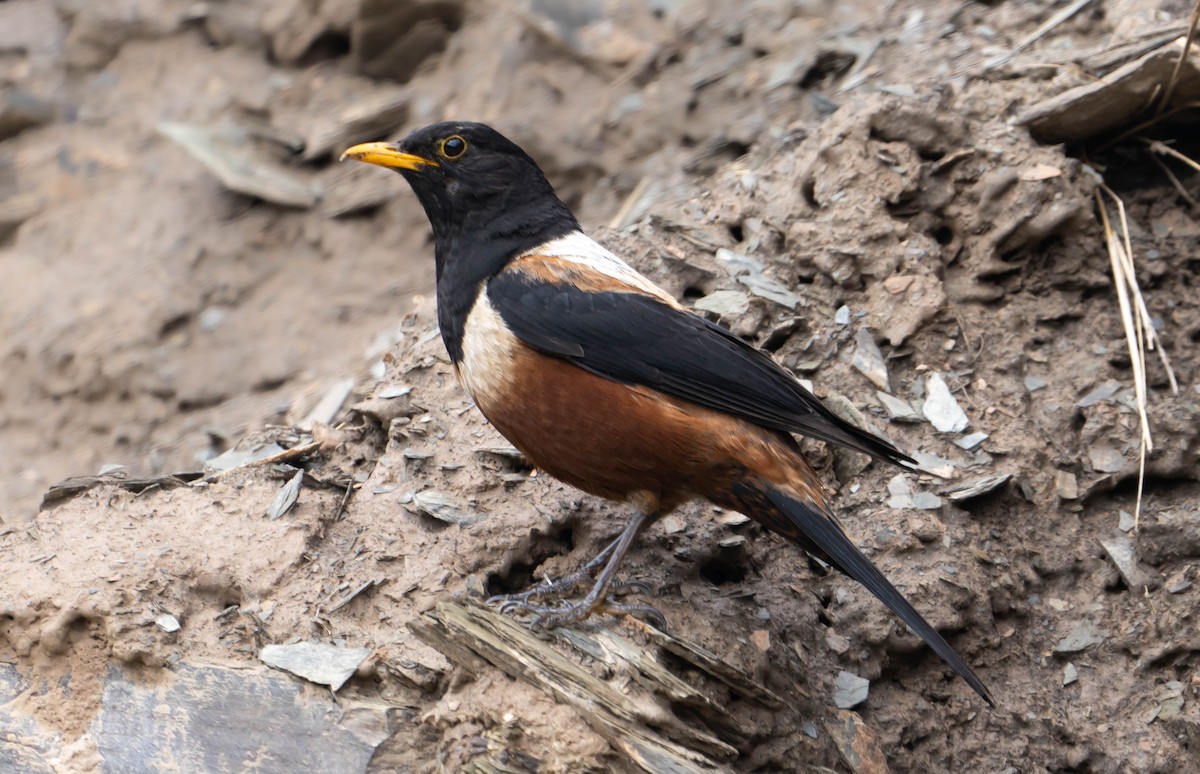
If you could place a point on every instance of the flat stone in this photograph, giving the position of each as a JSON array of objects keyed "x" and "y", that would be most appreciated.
[
  {"x": 868, "y": 360},
  {"x": 1120, "y": 550},
  {"x": 236, "y": 458},
  {"x": 724, "y": 302},
  {"x": 836, "y": 642},
  {"x": 897, "y": 410},
  {"x": 903, "y": 496},
  {"x": 856, "y": 744},
  {"x": 850, "y": 690},
  {"x": 941, "y": 409},
  {"x": 842, "y": 315},
  {"x": 1070, "y": 674},
  {"x": 230, "y": 155},
  {"x": 1082, "y": 637},
  {"x": 1066, "y": 485},
  {"x": 1034, "y": 383},
  {"x": 1106, "y": 459},
  {"x": 977, "y": 487},
  {"x": 770, "y": 290},
  {"x": 935, "y": 465},
  {"x": 286, "y": 497},
  {"x": 1125, "y": 521},
  {"x": 28, "y": 744},
  {"x": 1102, "y": 391},
  {"x": 442, "y": 507},
  {"x": 315, "y": 661},
  {"x": 901, "y": 492},
  {"x": 971, "y": 441},
  {"x": 218, "y": 719},
  {"x": 738, "y": 263},
  {"x": 926, "y": 501}
]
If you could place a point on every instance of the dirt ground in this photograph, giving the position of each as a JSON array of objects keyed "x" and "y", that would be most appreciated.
[{"x": 847, "y": 184}]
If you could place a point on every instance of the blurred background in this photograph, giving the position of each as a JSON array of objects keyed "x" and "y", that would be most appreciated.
[{"x": 184, "y": 258}]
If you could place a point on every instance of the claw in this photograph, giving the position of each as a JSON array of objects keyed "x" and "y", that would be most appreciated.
[{"x": 622, "y": 587}]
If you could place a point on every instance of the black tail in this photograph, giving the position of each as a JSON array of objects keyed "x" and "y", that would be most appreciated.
[{"x": 823, "y": 537}]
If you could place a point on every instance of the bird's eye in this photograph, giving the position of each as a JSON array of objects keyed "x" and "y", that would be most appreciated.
[{"x": 453, "y": 147}]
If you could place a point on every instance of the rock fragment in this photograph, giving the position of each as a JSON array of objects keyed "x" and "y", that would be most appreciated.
[
  {"x": 971, "y": 441},
  {"x": 724, "y": 302},
  {"x": 315, "y": 661},
  {"x": 850, "y": 690},
  {"x": 868, "y": 360},
  {"x": 1066, "y": 485},
  {"x": 941, "y": 409},
  {"x": 1082, "y": 637},
  {"x": 976, "y": 487},
  {"x": 1035, "y": 383},
  {"x": 1105, "y": 459},
  {"x": 229, "y": 154},
  {"x": 856, "y": 743},
  {"x": 898, "y": 410},
  {"x": 1120, "y": 550},
  {"x": 1102, "y": 391}
]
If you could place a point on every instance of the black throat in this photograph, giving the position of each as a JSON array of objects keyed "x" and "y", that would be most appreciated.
[{"x": 470, "y": 253}]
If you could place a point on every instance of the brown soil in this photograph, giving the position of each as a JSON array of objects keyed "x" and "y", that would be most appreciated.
[{"x": 150, "y": 318}]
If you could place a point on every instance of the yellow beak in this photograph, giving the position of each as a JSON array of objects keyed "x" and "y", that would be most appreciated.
[{"x": 385, "y": 155}]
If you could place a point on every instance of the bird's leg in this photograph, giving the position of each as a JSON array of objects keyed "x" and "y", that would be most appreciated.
[
  {"x": 550, "y": 588},
  {"x": 572, "y": 612}
]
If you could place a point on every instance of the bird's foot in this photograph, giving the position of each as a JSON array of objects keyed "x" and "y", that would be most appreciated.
[
  {"x": 559, "y": 612},
  {"x": 563, "y": 613},
  {"x": 546, "y": 588}
]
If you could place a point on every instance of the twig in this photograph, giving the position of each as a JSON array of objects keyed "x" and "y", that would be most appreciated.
[
  {"x": 1157, "y": 146},
  {"x": 1174, "y": 181},
  {"x": 1183, "y": 55},
  {"x": 1051, "y": 23}
]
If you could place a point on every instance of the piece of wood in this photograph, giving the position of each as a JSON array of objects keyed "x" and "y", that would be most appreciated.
[{"x": 469, "y": 634}]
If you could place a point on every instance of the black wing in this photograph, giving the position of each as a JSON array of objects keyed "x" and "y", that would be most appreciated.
[{"x": 637, "y": 339}]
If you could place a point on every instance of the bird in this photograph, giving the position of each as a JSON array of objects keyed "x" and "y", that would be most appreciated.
[{"x": 606, "y": 382}]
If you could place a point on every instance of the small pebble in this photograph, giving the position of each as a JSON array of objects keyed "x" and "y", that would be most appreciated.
[
  {"x": 1106, "y": 459},
  {"x": 1103, "y": 391},
  {"x": 836, "y": 642},
  {"x": 1070, "y": 674},
  {"x": 842, "y": 315},
  {"x": 898, "y": 410},
  {"x": 868, "y": 360},
  {"x": 850, "y": 690},
  {"x": 1082, "y": 637},
  {"x": 1066, "y": 485},
  {"x": 1034, "y": 383},
  {"x": 971, "y": 441}
]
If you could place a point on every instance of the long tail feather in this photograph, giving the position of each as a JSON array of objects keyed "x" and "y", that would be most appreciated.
[{"x": 822, "y": 536}]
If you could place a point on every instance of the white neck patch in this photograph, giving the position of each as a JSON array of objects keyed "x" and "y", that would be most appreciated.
[{"x": 579, "y": 248}]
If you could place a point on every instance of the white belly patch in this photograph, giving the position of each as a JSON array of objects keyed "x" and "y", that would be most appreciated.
[{"x": 489, "y": 352}]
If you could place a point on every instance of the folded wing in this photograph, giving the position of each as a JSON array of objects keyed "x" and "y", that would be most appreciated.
[{"x": 634, "y": 338}]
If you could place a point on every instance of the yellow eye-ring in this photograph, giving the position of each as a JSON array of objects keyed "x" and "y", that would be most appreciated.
[{"x": 453, "y": 147}]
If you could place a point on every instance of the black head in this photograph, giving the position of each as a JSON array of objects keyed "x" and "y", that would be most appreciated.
[{"x": 475, "y": 184}]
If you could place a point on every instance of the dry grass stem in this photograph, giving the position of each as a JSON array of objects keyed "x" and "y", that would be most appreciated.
[
  {"x": 1187, "y": 47},
  {"x": 1136, "y": 320}
]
